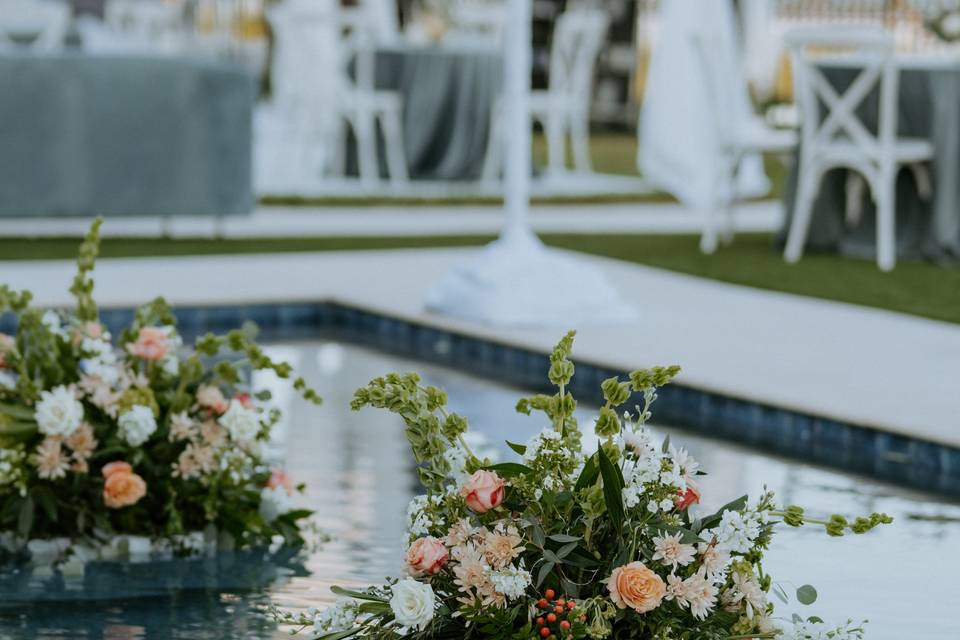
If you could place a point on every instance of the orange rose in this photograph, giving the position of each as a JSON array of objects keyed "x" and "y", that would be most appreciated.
[
  {"x": 687, "y": 498},
  {"x": 122, "y": 487},
  {"x": 115, "y": 467},
  {"x": 634, "y": 585}
]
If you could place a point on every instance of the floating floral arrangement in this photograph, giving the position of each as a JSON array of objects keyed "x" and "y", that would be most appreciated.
[
  {"x": 134, "y": 438},
  {"x": 566, "y": 544}
]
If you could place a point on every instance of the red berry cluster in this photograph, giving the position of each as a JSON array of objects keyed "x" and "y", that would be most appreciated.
[{"x": 556, "y": 617}]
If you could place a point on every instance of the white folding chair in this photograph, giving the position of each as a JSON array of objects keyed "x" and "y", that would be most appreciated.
[
  {"x": 564, "y": 107},
  {"x": 735, "y": 140},
  {"x": 40, "y": 25},
  {"x": 835, "y": 137}
]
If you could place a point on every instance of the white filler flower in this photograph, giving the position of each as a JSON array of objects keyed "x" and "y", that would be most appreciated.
[
  {"x": 137, "y": 425},
  {"x": 59, "y": 413},
  {"x": 242, "y": 423},
  {"x": 412, "y": 604}
]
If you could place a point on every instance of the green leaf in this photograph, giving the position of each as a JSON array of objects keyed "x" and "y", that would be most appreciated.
[
  {"x": 666, "y": 445},
  {"x": 47, "y": 501},
  {"x": 519, "y": 448},
  {"x": 358, "y": 595},
  {"x": 551, "y": 557},
  {"x": 589, "y": 474},
  {"x": 566, "y": 549},
  {"x": 735, "y": 505},
  {"x": 780, "y": 593},
  {"x": 544, "y": 571},
  {"x": 339, "y": 635},
  {"x": 509, "y": 469},
  {"x": 612, "y": 489},
  {"x": 25, "y": 518},
  {"x": 806, "y": 594},
  {"x": 563, "y": 537},
  {"x": 16, "y": 411}
]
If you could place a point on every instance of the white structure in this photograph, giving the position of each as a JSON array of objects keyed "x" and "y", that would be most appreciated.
[
  {"x": 736, "y": 139},
  {"x": 516, "y": 280},
  {"x": 42, "y": 24},
  {"x": 301, "y": 135},
  {"x": 564, "y": 107},
  {"x": 838, "y": 139},
  {"x": 680, "y": 144}
]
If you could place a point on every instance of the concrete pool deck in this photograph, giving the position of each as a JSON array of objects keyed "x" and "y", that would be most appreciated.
[{"x": 867, "y": 367}]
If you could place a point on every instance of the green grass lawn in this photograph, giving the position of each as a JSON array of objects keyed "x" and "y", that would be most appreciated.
[{"x": 917, "y": 288}]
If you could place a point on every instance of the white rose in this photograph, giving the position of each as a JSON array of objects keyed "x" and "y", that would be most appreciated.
[
  {"x": 412, "y": 603},
  {"x": 137, "y": 425},
  {"x": 242, "y": 423},
  {"x": 274, "y": 502},
  {"x": 59, "y": 413}
]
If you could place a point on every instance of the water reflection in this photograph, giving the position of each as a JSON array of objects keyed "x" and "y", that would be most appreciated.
[{"x": 360, "y": 478}]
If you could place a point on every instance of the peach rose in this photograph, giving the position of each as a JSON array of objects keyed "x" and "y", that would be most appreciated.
[
  {"x": 426, "y": 555},
  {"x": 152, "y": 344},
  {"x": 483, "y": 491},
  {"x": 634, "y": 585},
  {"x": 688, "y": 498},
  {"x": 212, "y": 398},
  {"x": 115, "y": 467},
  {"x": 279, "y": 478},
  {"x": 122, "y": 487}
]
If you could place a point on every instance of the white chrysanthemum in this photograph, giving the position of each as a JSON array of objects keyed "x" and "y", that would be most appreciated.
[
  {"x": 511, "y": 581},
  {"x": 137, "y": 425},
  {"x": 715, "y": 560},
  {"x": 243, "y": 424},
  {"x": 342, "y": 616},
  {"x": 671, "y": 552},
  {"x": 412, "y": 604},
  {"x": 701, "y": 595},
  {"x": 746, "y": 590},
  {"x": 274, "y": 502},
  {"x": 59, "y": 413}
]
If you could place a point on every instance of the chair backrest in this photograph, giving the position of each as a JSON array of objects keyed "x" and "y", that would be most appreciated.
[
  {"x": 306, "y": 56},
  {"x": 868, "y": 52},
  {"x": 577, "y": 39},
  {"x": 142, "y": 19},
  {"x": 40, "y": 25}
]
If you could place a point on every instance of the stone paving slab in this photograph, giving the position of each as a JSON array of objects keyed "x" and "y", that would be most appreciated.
[{"x": 869, "y": 367}]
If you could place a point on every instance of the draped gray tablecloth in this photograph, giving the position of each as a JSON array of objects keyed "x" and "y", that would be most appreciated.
[
  {"x": 82, "y": 135},
  {"x": 929, "y": 108},
  {"x": 448, "y": 94}
]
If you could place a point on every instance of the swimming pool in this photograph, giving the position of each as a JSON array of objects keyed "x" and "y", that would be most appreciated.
[{"x": 360, "y": 477}]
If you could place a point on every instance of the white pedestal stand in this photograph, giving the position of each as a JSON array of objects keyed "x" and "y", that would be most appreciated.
[{"x": 515, "y": 280}]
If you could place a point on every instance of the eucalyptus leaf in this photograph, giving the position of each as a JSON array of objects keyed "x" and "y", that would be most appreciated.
[
  {"x": 544, "y": 571},
  {"x": 519, "y": 448},
  {"x": 806, "y": 594},
  {"x": 563, "y": 537}
]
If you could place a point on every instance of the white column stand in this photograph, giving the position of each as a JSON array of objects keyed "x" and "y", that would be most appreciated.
[{"x": 515, "y": 280}]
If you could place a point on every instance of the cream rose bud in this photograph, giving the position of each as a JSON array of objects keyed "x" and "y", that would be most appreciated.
[
  {"x": 137, "y": 425},
  {"x": 58, "y": 412},
  {"x": 242, "y": 424},
  {"x": 426, "y": 555},
  {"x": 412, "y": 604},
  {"x": 211, "y": 398},
  {"x": 483, "y": 491}
]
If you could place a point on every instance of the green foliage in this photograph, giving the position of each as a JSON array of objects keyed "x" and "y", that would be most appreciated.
[{"x": 82, "y": 287}]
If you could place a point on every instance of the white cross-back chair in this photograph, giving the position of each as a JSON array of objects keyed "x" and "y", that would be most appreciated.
[
  {"x": 835, "y": 137},
  {"x": 42, "y": 24},
  {"x": 736, "y": 137},
  {"x": 564, "y": 107}
]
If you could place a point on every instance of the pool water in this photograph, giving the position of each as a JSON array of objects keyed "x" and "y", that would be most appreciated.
[{"x": 360, "y": 478}]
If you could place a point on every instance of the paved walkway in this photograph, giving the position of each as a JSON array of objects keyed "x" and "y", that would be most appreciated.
[
  {"x": 286, "y": 222},
  {"x": 876, "y": 368}
]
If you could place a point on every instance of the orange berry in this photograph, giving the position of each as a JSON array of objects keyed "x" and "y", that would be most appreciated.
[
  {"x": 571, "y": 604},
  {"x": 542, "y": 603},
  {"x": 558, "y": 609},
  {"x": 551, "y": 617},
  {"x": 544, "y": 632},
  {"x": 550, "y": 594},
  {"x": 561, "y": 602},
  {"x": 564, "y": 624},
  {"x": 539, "y": 622}
]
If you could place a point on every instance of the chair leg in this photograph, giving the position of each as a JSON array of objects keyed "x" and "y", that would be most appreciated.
[
  {"x": 338, "y": 161},
  {"x": 727, "y": 205},
  {"x": 802, "y": 212},
  {"x": 393, "y": 136},
  {"x": 921, "y": 175},
  {"x": 886, "y": 221},
  {"x": 493, "y": 157},
  {"x": 364, "y": 128},
  {"x": 556, "y": 143},
  {"x": 855, "y": 185},
  {"x": 580, "y": 139}
]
